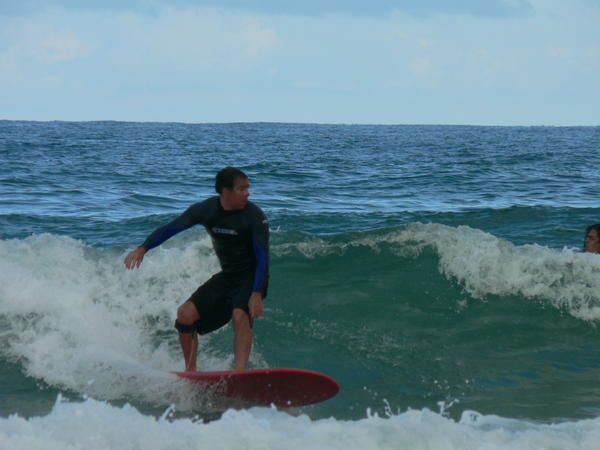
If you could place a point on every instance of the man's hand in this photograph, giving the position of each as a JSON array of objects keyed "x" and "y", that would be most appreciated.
[
  {"x": 255, "y": 305},
  {"x": 135, "y": 258}
]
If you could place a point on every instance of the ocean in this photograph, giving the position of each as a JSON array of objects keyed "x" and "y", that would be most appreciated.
[{"x": 436, "y": 272}]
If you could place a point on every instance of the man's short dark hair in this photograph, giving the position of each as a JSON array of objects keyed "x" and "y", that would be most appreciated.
[{"x": 226, "y": 178}]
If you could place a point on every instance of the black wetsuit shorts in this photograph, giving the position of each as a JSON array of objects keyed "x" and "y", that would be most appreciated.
[{"x": 216, "y": 299}]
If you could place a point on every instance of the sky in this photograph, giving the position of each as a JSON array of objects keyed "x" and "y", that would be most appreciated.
[{"x": 471, "y": 62}]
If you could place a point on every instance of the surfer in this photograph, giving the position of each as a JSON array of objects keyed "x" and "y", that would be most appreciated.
[
  {"x": 591, "y": 243},
  {"x": 240, "y": 235}
]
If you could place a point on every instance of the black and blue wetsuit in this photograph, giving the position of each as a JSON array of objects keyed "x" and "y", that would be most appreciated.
[{"x": 241, "y": 242}]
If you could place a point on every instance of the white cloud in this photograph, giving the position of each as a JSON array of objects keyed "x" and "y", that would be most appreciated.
[
  {"x": 192, "y": 39},
  {"x": 425, "y": 43},
  {"x": 312, "y": 8},
  {"x": 27, "y": 41},
  {"x": 422, "y": 68},
  {"x": 486, "y": 61},
  {"x": 559, "y": 52},
  {"x": 593, "y": 54},
  {"x": 256, "y": 39},
  {"x": 181, "y": 39},
  {"x": 61, "y": 47},
  {"x": 30, "y": 50}
]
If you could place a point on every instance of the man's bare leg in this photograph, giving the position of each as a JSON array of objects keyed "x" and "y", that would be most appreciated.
[
  {"x": 242, "y": 343},
  {"x": 189, "y": 347},
  {"x": 187, "y": 316}
]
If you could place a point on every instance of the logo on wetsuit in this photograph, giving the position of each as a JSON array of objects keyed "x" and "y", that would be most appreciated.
[{"x": 224, "y": 231}]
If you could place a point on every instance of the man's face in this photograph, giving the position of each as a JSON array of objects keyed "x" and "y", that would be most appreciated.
[
  {"x": 592, "y": 242},
  {"x": 237, "y": 198}
]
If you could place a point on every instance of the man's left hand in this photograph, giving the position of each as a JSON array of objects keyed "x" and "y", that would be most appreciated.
[{"x": 255, "y": 305}]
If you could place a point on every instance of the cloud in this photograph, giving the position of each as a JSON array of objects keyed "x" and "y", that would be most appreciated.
[
  {"x": 258, "y": 40},
  {"x": 559, "y": 52},
  {"x": 175, "y": 39},
  {"x": 191, "y": 39},
  {"x": 26, "y": 42},
  {"x": 421, "y": 68},
  {"x": 62, "y": 47},
  {"x": 486, "y": 8}
]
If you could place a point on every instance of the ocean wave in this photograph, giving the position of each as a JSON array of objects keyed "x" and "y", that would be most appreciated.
[
  {"x": 483, "y": 264},
  {"x": 98, "y": 425},
  {"x": 76, "y": 318},
  {"x": 418, "y": 305}
]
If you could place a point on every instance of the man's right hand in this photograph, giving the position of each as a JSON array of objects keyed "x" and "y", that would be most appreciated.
[{"x": 135, "y": 258}]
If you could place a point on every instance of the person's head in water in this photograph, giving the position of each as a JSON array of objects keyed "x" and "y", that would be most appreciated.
[
  {"x": 591, "y": 242},
  {"x": 232, "y": 185}
]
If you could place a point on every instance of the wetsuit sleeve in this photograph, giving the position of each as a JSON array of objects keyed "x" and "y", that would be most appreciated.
[
  {"x": 196, "y": 214},
  {"x": 260, "y": 244}
]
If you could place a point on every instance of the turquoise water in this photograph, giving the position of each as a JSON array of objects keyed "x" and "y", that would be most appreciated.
[{"x": 434, "y": 271}]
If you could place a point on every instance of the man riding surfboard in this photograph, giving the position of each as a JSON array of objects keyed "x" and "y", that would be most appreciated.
[{"x": 240, "y": 234}]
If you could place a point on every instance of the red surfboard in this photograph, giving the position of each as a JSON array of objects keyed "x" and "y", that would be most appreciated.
[{"x": 282, "y": 387}]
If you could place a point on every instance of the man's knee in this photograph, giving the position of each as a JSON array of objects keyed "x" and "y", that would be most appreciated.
[
  {"x": 187, "y": 313},
  {"x": 240, "y": 318}
]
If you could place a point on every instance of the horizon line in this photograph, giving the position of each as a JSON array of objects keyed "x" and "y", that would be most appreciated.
[{"x": 263, "y": 122}]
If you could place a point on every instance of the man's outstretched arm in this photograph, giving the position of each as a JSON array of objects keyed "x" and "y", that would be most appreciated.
[{"x": 195, "y": 214}]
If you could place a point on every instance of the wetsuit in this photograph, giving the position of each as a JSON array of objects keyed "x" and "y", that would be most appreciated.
[{"x": 241, "y": 242}]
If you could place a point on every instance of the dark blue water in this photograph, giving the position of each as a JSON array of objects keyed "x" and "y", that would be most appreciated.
[{"x": 529, "y": 184}]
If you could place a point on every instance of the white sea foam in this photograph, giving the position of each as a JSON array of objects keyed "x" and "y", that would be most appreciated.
[
  {"x": 74, "y": 317},
  {"x": 487, "y": 265},
  {"x": 97, "y": 425}
]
